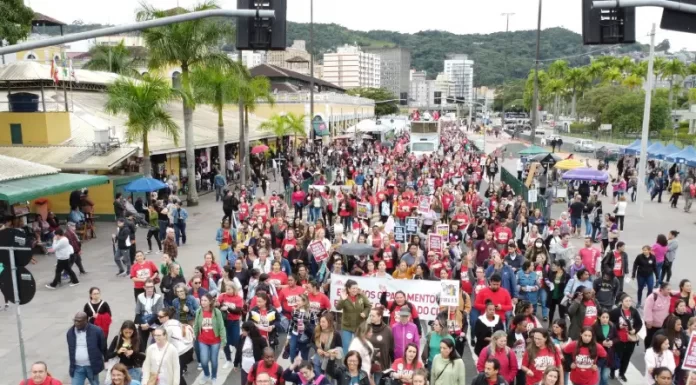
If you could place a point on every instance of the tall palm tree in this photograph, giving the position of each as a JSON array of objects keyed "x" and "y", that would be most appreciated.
[
  {"x": 625, "y": 64},
  {"x": 555, "y": 87},
  {"x": 612, "y": 76},
  {"x": 595, "y": 70},
  {"x": 218, "y": 86},
  {"x": 641, "y": 69},
  {"x": 671, "y": 70},
  {"x": 252, "y": 90},
  {"x": 633, "y": 82},
  {"x": 186, "y": 45},
  {"x": 144, "y": 103},
  {"x": 118, "y": 59},
  {"x": 284, "y": 125},
  {"x": 576, "y": 79},
  {"x": 296, "y": 125},
  {"x": 558, "y": 69}
]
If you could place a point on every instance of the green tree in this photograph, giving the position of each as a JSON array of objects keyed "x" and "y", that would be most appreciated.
[
  {"x": 144, "y": 103},
  {"x": 576, "y": 80},
  {"x": 633, "y": 82},
  {"x": 285, "y": 125},
  {"x": 611, "y": 76},
  {"x": 625, "y": 113},
  {"x": 558, "y": 69},
  {"x": 186, "y": 45},
  {"x": 117, "y": 59},
  {"x": 595, "y": 71},
  {"x": 218, "y": 86},
  {"x": 671, "y": 70},
  {"x": 596, "y": 99},
  {"x": 15, "y": 21},
  {"x": 380, "y": 96},
  {"x": 625, "y": 65},
  {"x": 555, "y": 88},
  {"x": 253, "y": 90}
]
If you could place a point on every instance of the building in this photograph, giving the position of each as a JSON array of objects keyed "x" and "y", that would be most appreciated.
[
  {"x": 460, "y": 70},
  {"x": 421, "y": 90},
  {"x": 445, "y": 86},
  {"x": 129, "y": 40},
  {"x": 295, "y": 58},
  {"x": 395, "y": 65},
  {"x": 251, "y": 59},
  {"x": 40, "y": 25},
  {"x": 349, "y": 67}
]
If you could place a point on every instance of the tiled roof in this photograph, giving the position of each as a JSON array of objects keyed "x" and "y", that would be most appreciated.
[
  {"x": 14, "y": 168},
  {"x": 271, "y": 71},
  {"x": 40, "y": 19}
]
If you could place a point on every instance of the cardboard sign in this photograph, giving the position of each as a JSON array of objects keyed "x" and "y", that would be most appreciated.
[
  {"x": 689, "y": 359},
  {"x": 435, "y": 243},
  {"x": 423, "y": 203},
  {"x": 363, "y": 210},
  {"x": 400, "y": 234},
  {"x": 532, "y": 196},
  {"x": 411, "y": 225},
  {"x": 318, "y": 251},
  {"x": 443, "y": 231},
  {"x": 449, "y": 294}
]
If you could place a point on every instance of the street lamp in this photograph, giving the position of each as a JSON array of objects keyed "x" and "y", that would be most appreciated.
[{"x": 535, "y": 100}]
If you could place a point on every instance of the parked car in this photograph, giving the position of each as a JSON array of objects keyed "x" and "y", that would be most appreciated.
[
  {"x": 605, "y": 152},
  {"x": 551, "y": 137},
  {"x": 584, "y": 145}
]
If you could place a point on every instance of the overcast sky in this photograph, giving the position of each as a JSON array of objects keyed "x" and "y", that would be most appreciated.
[{"x": 457, "y": 16}]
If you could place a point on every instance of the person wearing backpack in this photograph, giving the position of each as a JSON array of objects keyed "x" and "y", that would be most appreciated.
[
  {"x": 499, "y": 350},
  {"x": 302, "y": 373},
  {"x": 689, "y": 189},
  {"x": 267, "y": 365}
]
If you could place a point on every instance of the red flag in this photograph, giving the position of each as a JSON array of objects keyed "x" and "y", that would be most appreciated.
[{"x": 54, "y": 71}]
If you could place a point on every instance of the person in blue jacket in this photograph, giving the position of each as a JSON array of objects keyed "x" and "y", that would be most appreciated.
[
  {"x": 86, "y": 350},
  {"x": 528, "y": 282},
  {"x": 506, "y": 272},
  {"x": 185, "y": 303}
]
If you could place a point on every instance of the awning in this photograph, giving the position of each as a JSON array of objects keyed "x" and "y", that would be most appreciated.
[{"x": 26, "y": 189}]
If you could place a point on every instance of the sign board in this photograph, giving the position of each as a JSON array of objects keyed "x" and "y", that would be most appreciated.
[
  {"x": 443, "y": 231},
  {"x": 411, "y": 225},
  {"x": 318, "y": 251},
  {"x": 400, "y": 234},
  {"x": 532, "y": 196},
  {"x": 435, "y": 243},
  {"x": 531, "y": 175},
  {"x": 605, "y": 127},
  {"x": 449, "y": 293},
  {"x": 423, "y": 203},
  {"x": 424, "y": 296},
  {"x": 689, "y": 359},
  {"x": 363, "y": 210}
]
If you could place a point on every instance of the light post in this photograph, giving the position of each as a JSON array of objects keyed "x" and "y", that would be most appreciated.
[
  {"x": 535, "y": 99},
  {"x": 507, "y": 29}
]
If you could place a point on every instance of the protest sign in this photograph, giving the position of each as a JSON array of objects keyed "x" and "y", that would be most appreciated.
[
  {"x": 443, "y": 231},
  {"x": 318, "y": 251},
  {"x": 411, "y": 225},
  {"x": 423, "y": 203},
  {"x": 449, "y": 293},
  {"x": 435, "y": 243},
  {"x": 363, "y": 210},
  {"x": 424, "y": 296},
  {"x": 689, "y": 359},
  {"x": 400, "y": 234}
]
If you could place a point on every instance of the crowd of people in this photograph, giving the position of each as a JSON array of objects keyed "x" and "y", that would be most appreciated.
[{"x": 534, "y": 309}]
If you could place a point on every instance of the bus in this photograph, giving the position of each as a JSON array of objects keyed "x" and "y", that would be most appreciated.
[{"x": 425, "y": 137}]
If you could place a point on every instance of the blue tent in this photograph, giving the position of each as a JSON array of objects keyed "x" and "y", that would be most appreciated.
[
  {"x": 654, "y": 149},
  {"x": 668, "y": 150},
  {"x": 634, "y": 148},
  {"x": 687, "y": 155},
  {"x": 145, "y": 184}
]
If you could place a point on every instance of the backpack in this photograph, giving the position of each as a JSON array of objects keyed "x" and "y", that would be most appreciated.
[{"x": 692, "y": 190}]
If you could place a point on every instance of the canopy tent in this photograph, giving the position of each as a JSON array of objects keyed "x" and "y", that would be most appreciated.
[
  {"x": 570, "y": 164},
  {"x": 145, "y": 184},
  {"x": 654, "y": 149},
  {"x": 534, "y": 150},
  {"x": 545, "y": 158},
  {"x": 586, "y": 175},
  {"x": 26, "y": 189},
  {"x": 667, "y": 150},
  {"x": 687, "y": 155},
  {"x": 634, "y": 148}
]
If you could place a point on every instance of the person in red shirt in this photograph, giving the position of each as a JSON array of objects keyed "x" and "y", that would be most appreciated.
[
  {"x": 231, "y": 305},
  {"x": 40, "y": 376},
  {"x": 141, "y": 271},
  {"x": 288, "y": 296},
  {"x": 267, "y": 366},
  {"x": 540, "y": 354},
  {"x": 210, "y": 333},
  {"x": 318, "y": 301},
  {"x": 261, "y": 209},
  {"x": 586, "y": 306},
  {"x": 243, "y": 211},
  {"x": 277, "y": 277},
  {"x": 404, "y": 367},
  {"x": 585, "y": 353},
  {"x": 288, "y": 243},
  {"x": 403, "y": 209},
  {"x": 211, "y": 269},
  {"x": 502, "y": 234},
  {"x": 496, "y": 294}
]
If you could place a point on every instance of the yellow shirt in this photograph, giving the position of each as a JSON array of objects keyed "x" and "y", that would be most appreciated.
[{"x": 676, "y": 187}]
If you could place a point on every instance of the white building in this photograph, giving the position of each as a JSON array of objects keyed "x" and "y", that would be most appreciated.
[
  {"x": 421, "y": 91},
  {"x": 460, "y": 70},
  {"x": 251, "y": 59},
  {"x": 349, "y": 67},
  {"x": 445, "y": 86}
]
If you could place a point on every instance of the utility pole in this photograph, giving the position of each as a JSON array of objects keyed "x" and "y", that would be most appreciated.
[
  {"x": 535, "y": 99},
  {"x": 646, "y": 125},
  {"x": 311, "y": 69},
  {"x": 507, "y": 17},
  {"x": 243, "y": 148},
  {"x": 507, "y": 29}
]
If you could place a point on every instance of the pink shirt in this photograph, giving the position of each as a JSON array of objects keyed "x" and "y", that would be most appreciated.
[
  {"x": 589, "y": 257},
  {"x": 659, "y": 252}
]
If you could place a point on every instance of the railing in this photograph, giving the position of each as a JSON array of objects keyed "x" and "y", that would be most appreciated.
[
  {"x": 520, "y": 189},
  {"x": 319, "y": 97}
]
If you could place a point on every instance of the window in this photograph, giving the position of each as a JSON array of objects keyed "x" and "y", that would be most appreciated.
[
  {"x": 423, "y": 147},
  {"x": 16, "y": 133},
  {"x": 30, "y": 56}
]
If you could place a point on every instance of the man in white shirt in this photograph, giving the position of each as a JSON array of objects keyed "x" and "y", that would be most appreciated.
[
  {"x": 62, "y": 249},
  {"x": 520, "y": 168}
]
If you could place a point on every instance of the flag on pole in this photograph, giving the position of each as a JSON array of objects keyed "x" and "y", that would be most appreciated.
[
  {"x": 65, "y": 69},
  {"x": 72, "y": 71},
  {"x": 54, "y": 71}
]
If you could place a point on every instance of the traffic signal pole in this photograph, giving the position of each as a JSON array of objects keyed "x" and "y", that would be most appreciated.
[
  {"x": 668, "y": 4},
  {"x": 18, "y": 316}
]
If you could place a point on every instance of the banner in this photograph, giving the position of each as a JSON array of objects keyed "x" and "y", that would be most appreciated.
[
  {"x": 363, "y": 210},
  {"x": 400, "y": 234},
  {"x": 424, "y": 203},
  {"x": 443, "y": 231},
  {"x": 411, "y": 225},
  {"x": 689, "y": 359},
  {"x": 435, "y": 243},
  {"x": 318, "y": 251},
  {"x": 424, "y": 296}
]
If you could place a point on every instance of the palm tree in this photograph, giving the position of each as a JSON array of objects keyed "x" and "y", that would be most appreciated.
[
  {"x": 576, "y": 79},
  {"x": 671, "y": 70},
  {"x": 633, "y": 82},
  {"x": 611, "y": 76},
  {"x": 188, "y": 44},
  {"x": 296, "y": 125},
  {"x": 117, "y": 59},
  {"x": 641, "y": 69},
  {"x": 625, "y": 65},
  {"x": 252, "y": 90},
  {"x": 595, "y": 70},
  {"x": 217, "y": 86},
  {"x": 558, "y": 69},
  {"x": 555, "y": 87},
  {"x": 284, "y": 125},
  {"x": 144, "y": 103}
]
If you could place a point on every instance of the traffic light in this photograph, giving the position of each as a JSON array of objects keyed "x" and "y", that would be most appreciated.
[
  {"x": 259, "y": 33},
  {"x": 25, "y": 280},
  {"x": 608, "y": 26},
  {"x": 679, "y": 21}
]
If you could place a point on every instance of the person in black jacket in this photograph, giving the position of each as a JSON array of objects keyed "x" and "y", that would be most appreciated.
[
  {"x": 122, "y": 252},
  {"x": 559, "y": 278},
  {"x": 490, "y": 374},
  {"x": 678, "y": 339},
  {"x": 606, "y": 289},
  {"x": 129, "y": 349},
  {"x": 517, "y": 341},
  {"x": 606, "y": 334},
  {"x": 485, "y": 326},
  {"x": 628, "y": 322},
  {"x": 616, "y": 261},
  {"x": 343, "y": 374},
  {"x": 255, "y": 345},
  {"x": 645, "y": 270}
]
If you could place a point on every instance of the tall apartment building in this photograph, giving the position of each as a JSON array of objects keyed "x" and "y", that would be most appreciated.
[
  {"x": 445, "y": 86},
  {"x": 395, "y": 65},
  {"x": 460, "y": 70},
  {"x": 294, "y": 58},
  {"x": 349, "y": 67},
  {"x": 421, "y": 90}
]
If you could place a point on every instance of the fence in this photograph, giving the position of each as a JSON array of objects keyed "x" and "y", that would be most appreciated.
[{"x": 520, "y": 189}]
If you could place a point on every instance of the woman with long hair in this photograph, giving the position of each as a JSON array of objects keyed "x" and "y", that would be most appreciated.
[
  {"x": 583, "y": 311},
  {"x": 356, "y": 308},
  {"x": 265, "y": 317},
  {"x": 232, "y": 307},
  {"x": 586, "y": 357},
  {"x": 129, "y": 349},
  {"x": 161, "y": 360},
  {"x": 326, "y": 340},
  {"x": 678, "y": 342},
  {"x": 382, "y": 337},
  {"x": 210, "y": 331},
  {"x": 662, "y": 376},
  {"x": 686, "y": 295},
  {"x": 249, "y": 350},
  {"x": 551, "y": 376},
  {"x": 404, "y": 367},
  {"x": 361, "y": 344},
  {"x": 120, "y": 375},
  {"x": 499, "y": 350},
  {"x": 559, "y": 336},
  {"x": 301, "y": 330},
  {"x": 540, "y": 354},
  {"x": 485, "y": 326},
  {"x": 559, "y": 278},
  {"x": 659, "y": 250},
  {"x": 628, "y": 322},
  {"x": 606, "y": 334},
  {"x": 658, "y": 355},
  {"x": 447, "y": 367}
]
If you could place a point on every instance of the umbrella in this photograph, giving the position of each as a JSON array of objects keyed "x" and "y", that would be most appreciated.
[
  {"x": 356, "y": 249},
  {"x": 587, "y": 175},
  {"x": 145, "y": 184},
  {"x": 533, "y": 150},
  {"x": 570, "y": 164},
  {"x": 259, "y": 149}
]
